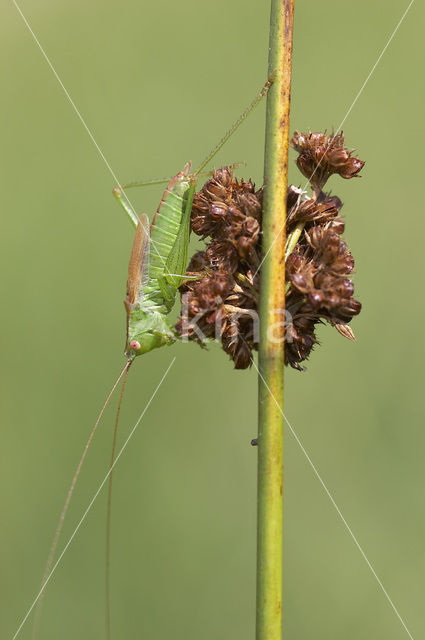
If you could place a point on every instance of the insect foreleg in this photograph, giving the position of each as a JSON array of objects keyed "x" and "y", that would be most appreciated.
[
  {"x": 125, "y": 203},
  {"x": 119, "y": 193}
]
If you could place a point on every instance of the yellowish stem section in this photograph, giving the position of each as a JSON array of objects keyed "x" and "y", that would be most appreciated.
[{"x": 271, "y": 349}]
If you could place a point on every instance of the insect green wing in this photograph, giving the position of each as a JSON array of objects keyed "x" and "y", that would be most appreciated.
[
  {"x": 169, "y": 236},
  {"x": 138, "y": 268},
  {"x": 177, "y": 259}
]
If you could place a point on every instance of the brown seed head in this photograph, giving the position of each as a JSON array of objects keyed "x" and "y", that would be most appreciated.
[
  {"x": 225, "y": 295},
  {"x": 320, "y": 156}
]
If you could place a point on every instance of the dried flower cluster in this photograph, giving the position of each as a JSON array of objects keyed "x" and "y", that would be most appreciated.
[
  {"x": 320, "y": 156},
  {"x": 222, "y": 301}
]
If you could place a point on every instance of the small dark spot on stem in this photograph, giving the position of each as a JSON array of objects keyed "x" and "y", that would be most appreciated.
[{"x": 254, "y": 442}]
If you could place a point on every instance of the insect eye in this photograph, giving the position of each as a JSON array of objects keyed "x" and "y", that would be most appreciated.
[{"x": 135, "y": 345}]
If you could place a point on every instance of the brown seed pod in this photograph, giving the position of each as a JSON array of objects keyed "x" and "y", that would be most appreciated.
[{"x": 320, "y": 156}]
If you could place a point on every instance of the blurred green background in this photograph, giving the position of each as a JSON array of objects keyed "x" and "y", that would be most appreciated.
[{"x": 158, "y": 84}]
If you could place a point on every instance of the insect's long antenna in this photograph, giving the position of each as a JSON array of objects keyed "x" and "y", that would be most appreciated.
[
  {"x": 67, "y": 501},
  {"x": 108, "y": 515},
  {"x": 236, "y": 125}
]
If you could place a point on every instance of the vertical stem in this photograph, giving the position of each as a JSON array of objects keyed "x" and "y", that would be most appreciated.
[{"x": 271, "y": 351}]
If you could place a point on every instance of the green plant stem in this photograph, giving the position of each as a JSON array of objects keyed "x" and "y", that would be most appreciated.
[{"x": 271, "y": 348}]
